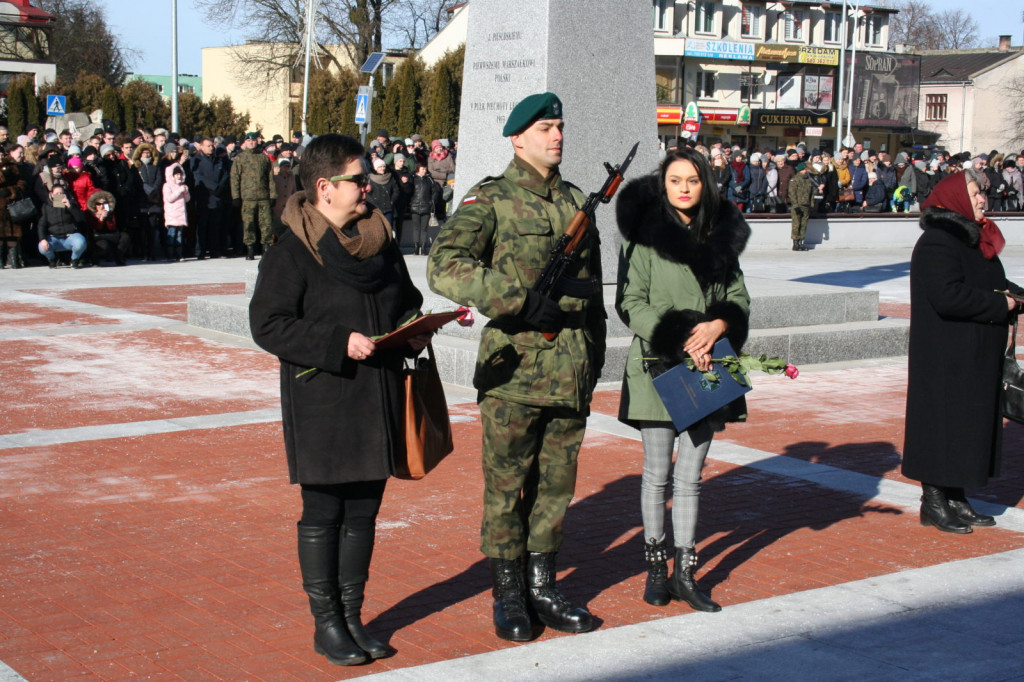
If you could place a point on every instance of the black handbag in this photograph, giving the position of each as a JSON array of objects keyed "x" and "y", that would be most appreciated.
[
  {"x": 21, "y": 210},
  {"x": 1012, "y": 399}
]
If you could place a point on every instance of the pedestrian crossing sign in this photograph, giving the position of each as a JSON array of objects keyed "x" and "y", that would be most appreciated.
[
  {"x": 56, "y": 105},
  {"x": 362, "y": 101}
]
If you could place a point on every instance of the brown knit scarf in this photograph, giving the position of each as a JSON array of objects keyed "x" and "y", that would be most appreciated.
[{"x": 310, "y": 225}]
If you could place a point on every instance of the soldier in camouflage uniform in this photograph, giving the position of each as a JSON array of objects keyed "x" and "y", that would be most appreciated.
[
  {"x": 534, "y": 393},
  {"x": 253, "y": 189},
  {"x": 801, "y": 198}
]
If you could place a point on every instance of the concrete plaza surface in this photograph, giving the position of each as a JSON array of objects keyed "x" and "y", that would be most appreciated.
[{"x": 147, "y": 526}]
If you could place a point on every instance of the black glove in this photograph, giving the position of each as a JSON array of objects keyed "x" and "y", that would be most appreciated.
[
  {"x": 237, "y": 203},
  {"x": 541, "y": 312}
]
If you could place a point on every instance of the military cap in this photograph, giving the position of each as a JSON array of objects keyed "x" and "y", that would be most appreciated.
[
  {"x": 252, "y": 136},
  {"x": 532, "y": 108},
  {"x": 801, "y": 166}
]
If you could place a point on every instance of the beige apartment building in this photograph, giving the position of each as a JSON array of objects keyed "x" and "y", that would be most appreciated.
[
  {"x": 249, "y": 75},
  {"x": 968, "y": 97}
]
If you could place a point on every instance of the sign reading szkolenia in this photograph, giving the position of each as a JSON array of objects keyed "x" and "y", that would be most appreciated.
[
  {"x": 790, "y": 118},
  {"x": 801, "y": 54},
  {"x": 719, "y": 49}
]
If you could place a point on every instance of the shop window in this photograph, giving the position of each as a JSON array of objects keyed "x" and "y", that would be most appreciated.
[
  {"x": 750, "y": 87},
  {"x": 666, "y": 80},
  {"x": 873, "y": 30},
  {"x": 705, "y": 19},
  {"x": 833, "y": 27},
  {"x": 706, "y": 84},
  {"x": 751, "y": 21},
  {"x": 935, "y": 107},
  {"x": 794, "y": 19}
]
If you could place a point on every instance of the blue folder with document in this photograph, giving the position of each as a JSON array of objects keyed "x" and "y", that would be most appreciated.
[{"x": 689, "y": 396}]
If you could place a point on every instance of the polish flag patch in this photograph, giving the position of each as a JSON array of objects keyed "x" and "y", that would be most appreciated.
[{"x": 468, "y": 200}]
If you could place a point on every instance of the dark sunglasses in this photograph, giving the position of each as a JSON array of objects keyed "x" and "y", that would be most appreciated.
[{"x": 360, "y": 180}]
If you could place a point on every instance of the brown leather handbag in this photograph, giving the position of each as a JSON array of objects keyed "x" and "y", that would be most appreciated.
[{"x": 428, "y": 430}]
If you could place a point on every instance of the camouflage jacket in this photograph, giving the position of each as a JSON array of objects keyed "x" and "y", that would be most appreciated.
[
  {"x": 801, "y": 191},
  {"x": 488, "y": 255},
  {"x": 252, "y": 177}
]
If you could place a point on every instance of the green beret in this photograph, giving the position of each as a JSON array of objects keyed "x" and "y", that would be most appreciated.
[
  {"x": 532, "y": 108},
  {"x": 252, "y": 136},
  {"x": 801, "y": 166}
]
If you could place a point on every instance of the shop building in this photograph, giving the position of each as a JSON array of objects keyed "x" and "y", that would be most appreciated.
[{"x": 766, "y": 73}]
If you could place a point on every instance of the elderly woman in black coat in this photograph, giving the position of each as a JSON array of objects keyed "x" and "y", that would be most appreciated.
[
  {"x": 335, "y": 280},
  {"x": 958, "y": 330}
]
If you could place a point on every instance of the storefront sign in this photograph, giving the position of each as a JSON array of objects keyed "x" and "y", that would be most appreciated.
[
  {"x": 691, "y": 126},
  {"x": 886, "y": 89},
  {"x": 669, "y": 115},
  {"x": 787, "y": 117},
  {"x": 718, "y": 49},
  {"x": 814, "y": 131},
  {"x": 801, "y": 54},
  {"x": 711, "y": 115}
]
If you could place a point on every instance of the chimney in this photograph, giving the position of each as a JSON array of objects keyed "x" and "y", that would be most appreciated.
[{"x": 1004, "y": 43}]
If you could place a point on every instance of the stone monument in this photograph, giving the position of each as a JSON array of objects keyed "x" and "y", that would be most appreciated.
[{"x": 598, "y": 57}]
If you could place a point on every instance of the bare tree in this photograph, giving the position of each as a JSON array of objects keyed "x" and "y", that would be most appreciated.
[
  {"x": 914, "y": 24},
  {"x": 959, "y": 30},
  {"x": 1014, "y": 98},
  {"x": 357, "y": 26},
  {"x": 415, "y": 22},
  {"x": 919, "y": 25}
]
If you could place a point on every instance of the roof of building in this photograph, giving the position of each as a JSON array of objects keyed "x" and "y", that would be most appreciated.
[
  {"x": 957, "y": 66},
  {"x": 836, "y": 5}
]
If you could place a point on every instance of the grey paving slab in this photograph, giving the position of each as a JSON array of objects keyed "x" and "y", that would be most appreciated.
[{"x": 871, "y": 629}]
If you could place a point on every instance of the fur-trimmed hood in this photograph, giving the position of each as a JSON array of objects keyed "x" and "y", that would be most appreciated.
[
  {"x": 137, "y": 154},
  {"x": 964, "y": 229},
  {"x": 644, "y": 219}
]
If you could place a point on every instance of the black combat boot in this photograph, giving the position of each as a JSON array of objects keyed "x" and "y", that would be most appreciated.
[
  {"x": 935, "y": 511},
  {"x": 250, "y": 252},
  {"x": 963, "y": 510},
  {"x": 803, "y": 247},
  {"x": 511, "y": 621},
  {"x": 552, "y": 608},
  {"x": 318, "y": 561},
  {"x": 656, "y": 589},
  {"x": 354, "y": 554},
  {"x": 796, "y": 244},
  {"x": 683, "y": 587}
]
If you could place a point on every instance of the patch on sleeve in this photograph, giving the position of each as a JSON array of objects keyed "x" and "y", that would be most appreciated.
[{"x": 468, "y": 200}]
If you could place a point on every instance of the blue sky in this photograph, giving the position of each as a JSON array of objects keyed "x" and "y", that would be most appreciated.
[{"x": 145, "y": 25}]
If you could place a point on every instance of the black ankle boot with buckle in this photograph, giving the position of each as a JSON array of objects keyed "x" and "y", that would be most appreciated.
[{"x": 656, "y": 589}]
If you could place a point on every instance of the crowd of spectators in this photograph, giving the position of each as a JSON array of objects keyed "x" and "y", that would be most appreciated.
[
  {"x": 150, "y": 195},
  {"x": 854, "y": 179}
]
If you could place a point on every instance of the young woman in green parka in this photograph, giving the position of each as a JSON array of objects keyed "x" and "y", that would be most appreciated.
[{"x": 680, "y": 289}]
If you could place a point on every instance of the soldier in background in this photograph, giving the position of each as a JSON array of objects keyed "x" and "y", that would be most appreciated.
[
  {"x": 534, "y": 392},
  {"x": 253, "y": 190},
  {"x": 801, "y": 198}
]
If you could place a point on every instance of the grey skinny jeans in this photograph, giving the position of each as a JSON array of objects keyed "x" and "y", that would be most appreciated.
[{"x": 659, "y": 439}]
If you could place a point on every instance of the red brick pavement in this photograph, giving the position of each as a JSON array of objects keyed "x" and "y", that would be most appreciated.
[
  {"x": 163, "y": 301},
  {"x": 172, "y": 556}
]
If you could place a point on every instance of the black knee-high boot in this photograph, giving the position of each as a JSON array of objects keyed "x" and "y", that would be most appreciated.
[
  {"x": 318, "y": 561},
  {"x": 354, "y": 554}
]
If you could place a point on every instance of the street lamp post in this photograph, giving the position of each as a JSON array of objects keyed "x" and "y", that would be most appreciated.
[
  {"x": 842, "y": 75},
  {"x": 174, "y": 66}
]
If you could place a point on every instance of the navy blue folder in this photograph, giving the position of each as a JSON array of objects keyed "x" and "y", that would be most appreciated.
[{"x": 689, "y": 396}]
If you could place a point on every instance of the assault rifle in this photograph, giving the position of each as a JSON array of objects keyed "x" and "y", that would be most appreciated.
[{"x": 566, "y": 250}]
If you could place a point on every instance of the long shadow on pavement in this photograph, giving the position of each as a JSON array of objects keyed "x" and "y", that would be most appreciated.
[{"x": 859, "y": 278}]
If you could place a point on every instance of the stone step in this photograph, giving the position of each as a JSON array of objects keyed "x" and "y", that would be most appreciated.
[{"x": 228, "y": 313}]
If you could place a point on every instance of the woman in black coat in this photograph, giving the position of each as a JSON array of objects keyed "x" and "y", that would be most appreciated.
[
  {"x": 958, "y": 331},
  {"x": 334, "y": 280}
]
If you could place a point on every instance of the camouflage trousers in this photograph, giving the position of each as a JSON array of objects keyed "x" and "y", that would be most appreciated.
[
  {"x": 800, "y": 215},
  {"x": 529, "y": 463},
  {"x": 256, "y": 213}
]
